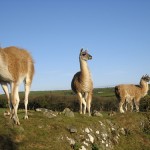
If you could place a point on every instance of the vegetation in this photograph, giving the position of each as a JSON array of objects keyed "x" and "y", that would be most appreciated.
[
  {"x": 103, "y": 99},
  {"x": 41, "y": 133}
]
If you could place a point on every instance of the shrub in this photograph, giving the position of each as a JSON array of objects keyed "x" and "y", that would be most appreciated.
[
  {"x": 60, "y": 100},
  {"x": 3, "y": 102},
  {"x": 146, "y": 123},
  {"x": 104, "y": 103},
  {"x": 145, "y": 103}
]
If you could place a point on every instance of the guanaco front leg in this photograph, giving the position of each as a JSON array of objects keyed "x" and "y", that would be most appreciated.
[{"x": 15, "y": 102}]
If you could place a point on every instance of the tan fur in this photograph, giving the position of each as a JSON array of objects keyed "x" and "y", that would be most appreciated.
[
  {"x": 82, "y": 83},
  {"x": 127, "y": 93},
  {"x": 16, "y": 65}
]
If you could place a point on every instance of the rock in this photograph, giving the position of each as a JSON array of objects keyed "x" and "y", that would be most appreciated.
[
  {"x": 82, "y": 148},
  {"x": 50, "y": 114},
  {"x": 103, "y": 141},
  {"x": 67, "y": 112},
  {"x": 41, "y": 109},
  {"x": 71, "y": 141},
  {"x": 91, "y": 138},
  {"x": 40, "y": 126},
  {"x": 122, "y": 131},
  {"x": 87, "y": 130},
  {"x": 116, "y": 139},
  {"x": 104, "y": 136},
  {"x": 114, "y": 132},
  {"x": 38, "y": 109},
  {"x": 101, "y": 124},
  {"x": 85, "y": 143},
  {"x": 112, "y": 113},
  {"x": 96, "y": 113},
  {"x": 73, "y": 130}
]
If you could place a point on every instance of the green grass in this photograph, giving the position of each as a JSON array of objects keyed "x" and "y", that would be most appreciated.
[{"x": 41, "y": 133}]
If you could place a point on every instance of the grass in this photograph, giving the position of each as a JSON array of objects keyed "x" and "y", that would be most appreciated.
[
  {"x": 42, "y": 133},
  {"x": 39, "y": 132}
]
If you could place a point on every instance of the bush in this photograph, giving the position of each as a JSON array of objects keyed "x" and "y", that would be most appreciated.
[
  {"x": 145, "y": 103},
  {"x": 60, "y": 100},
  {"x": 146, "y": 123},
  {"x": 104, "y": 103},
  {"x": 3, "y": 102}
]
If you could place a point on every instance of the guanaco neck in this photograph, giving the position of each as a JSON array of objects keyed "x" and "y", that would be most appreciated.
[
  {"x": 84, "y": 69},
  {"x": 144, "y": 87}
]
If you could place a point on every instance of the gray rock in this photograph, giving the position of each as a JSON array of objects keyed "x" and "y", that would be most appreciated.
[
  {"x": 41, "y": 109},
  {"x": 50, "y": 114},
  {"x": 122, "y": 131},
  {"x": 73, "y": 130},
  {"x": 97, "y": 113},
  {"x": 68, "y": 113}
]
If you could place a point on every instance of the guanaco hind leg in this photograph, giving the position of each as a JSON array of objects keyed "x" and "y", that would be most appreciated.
[
  {"x": 27, "y": 84},
  {"x": 88, "y": 102},
  {"x": 121, "y": 105},
  {"x": 6, "y": 91}
]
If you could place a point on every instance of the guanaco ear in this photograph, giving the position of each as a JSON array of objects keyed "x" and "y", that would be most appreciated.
[
  {"x": 81, "y": 50},
  {"x": 86, "y": 51},
  {"x": 147, "y": 75}
]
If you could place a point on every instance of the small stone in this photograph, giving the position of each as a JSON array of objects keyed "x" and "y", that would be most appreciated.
[
  {"x": 115, "y": 140},
  {"x": 73, "y": 130},
  {"x": 82, "y": 148},
  {"x": 101, "y": 124},
  {"x": 103, "y": 141},
  {"x": 50, "y": 114},
  {"x": 87, "y": 130},
  {"x": 85, "y": 143},
  {"x": 71, "y": 141},
  {"x": 38, "y": 109},
  {"x": 91, "y": 138},
  {"x": 104, "y": 135},
  {"x": 41, "y": 109},
  {"x": 122, "y": 131},
  {"x": 96, "y": 113}
]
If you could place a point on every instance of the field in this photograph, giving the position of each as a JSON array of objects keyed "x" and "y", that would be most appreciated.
[{"x": 42, "y": 132}]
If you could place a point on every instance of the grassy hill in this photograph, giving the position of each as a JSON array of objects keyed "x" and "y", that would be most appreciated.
[
  {"x": 42, "y": 133},
  {"x": 117, "y": 131}
]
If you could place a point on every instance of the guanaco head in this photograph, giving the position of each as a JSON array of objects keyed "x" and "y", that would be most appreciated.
[
  {"x": 84, "y": 55},
  {"x": 146, "y": 78}
]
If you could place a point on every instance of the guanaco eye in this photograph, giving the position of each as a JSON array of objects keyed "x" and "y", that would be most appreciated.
[{"x": 83, "y": 54}]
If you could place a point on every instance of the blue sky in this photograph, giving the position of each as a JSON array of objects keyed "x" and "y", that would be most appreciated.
[{"x": 115, "y": 32}]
